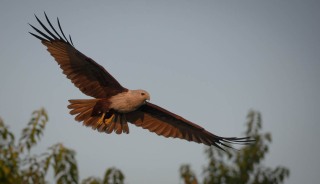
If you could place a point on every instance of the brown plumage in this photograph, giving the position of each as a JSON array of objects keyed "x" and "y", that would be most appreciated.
[{"x": 114, "y": 106}]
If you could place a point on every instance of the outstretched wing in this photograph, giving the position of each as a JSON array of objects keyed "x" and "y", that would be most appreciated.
[
  {"x": 91, "y": 78},
  {"x": 168, "y": 124}
]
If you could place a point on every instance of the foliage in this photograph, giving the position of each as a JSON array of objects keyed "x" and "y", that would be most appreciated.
[
  {"x": 112, "y": 176},
  {"x": 31, "y": 134},
  {"x": 245, "y": 165},
  {"x": 18, "y": 166},
  {"x": 15, "y": 165},
  {"x": 9, "y": 157},
  {"x": 188, "y": 175}
]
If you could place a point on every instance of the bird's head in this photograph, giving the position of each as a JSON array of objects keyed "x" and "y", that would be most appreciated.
[{"x": 143, "y": 95}]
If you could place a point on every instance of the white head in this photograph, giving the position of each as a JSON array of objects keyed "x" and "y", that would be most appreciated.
[{"x": 141, "y": 94}]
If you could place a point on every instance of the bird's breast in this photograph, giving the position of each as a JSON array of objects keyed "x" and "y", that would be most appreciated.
[{"x": 125, "y": 102}]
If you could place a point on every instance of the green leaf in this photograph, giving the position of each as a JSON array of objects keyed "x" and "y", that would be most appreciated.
[{"x": 31, "y": 134}]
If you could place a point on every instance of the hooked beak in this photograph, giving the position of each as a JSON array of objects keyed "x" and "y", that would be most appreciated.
[{"x": 147, "y": 100}]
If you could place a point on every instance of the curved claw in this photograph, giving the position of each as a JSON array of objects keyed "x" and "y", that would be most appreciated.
[{"x": 109, "y": 120}]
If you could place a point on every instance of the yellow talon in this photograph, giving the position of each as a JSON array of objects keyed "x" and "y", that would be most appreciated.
[
  {"x": 109, "y": 120},
  {"x": 101, "y": 119}
]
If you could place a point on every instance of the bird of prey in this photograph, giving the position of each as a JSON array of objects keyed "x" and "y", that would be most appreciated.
[{"x": 113, "y": 105}]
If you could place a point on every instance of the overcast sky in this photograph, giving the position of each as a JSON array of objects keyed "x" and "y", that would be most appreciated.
[{"x": 208, "y": 61}]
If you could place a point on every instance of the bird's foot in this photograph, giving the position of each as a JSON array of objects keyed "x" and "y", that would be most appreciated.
[
  {"x": 107, "y": 121},
  {"x": 100, "y": 121}
]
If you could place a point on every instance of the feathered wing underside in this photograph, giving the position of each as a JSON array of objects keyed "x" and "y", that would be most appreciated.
[
  {"x": 103, "y": 122},
  {"x": 167, "y": 124},
  {"x": 91, "y": 78}
]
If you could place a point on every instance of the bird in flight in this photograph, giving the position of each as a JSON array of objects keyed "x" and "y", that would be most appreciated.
[{"x": 113, "y": 105}]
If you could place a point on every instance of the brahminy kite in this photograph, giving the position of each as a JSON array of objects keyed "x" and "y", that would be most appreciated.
[{"x": 113, "y": 105}]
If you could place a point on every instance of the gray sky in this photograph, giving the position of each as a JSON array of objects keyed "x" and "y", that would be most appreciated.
[{"x": 209, "y": 61}]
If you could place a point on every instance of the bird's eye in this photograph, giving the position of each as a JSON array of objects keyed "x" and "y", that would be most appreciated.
[{"x": 142, "y": 94}]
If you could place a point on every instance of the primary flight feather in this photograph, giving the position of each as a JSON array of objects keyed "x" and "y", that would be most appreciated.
[{"x": 113, "y": 105}]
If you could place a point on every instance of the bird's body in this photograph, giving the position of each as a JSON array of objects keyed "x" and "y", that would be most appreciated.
[
  {"x": 113, "y": 105},
  {"x": 129, "y": 101}
]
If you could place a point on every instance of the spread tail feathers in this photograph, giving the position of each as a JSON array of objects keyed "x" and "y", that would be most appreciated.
[{"x": 103, "y": 122}]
